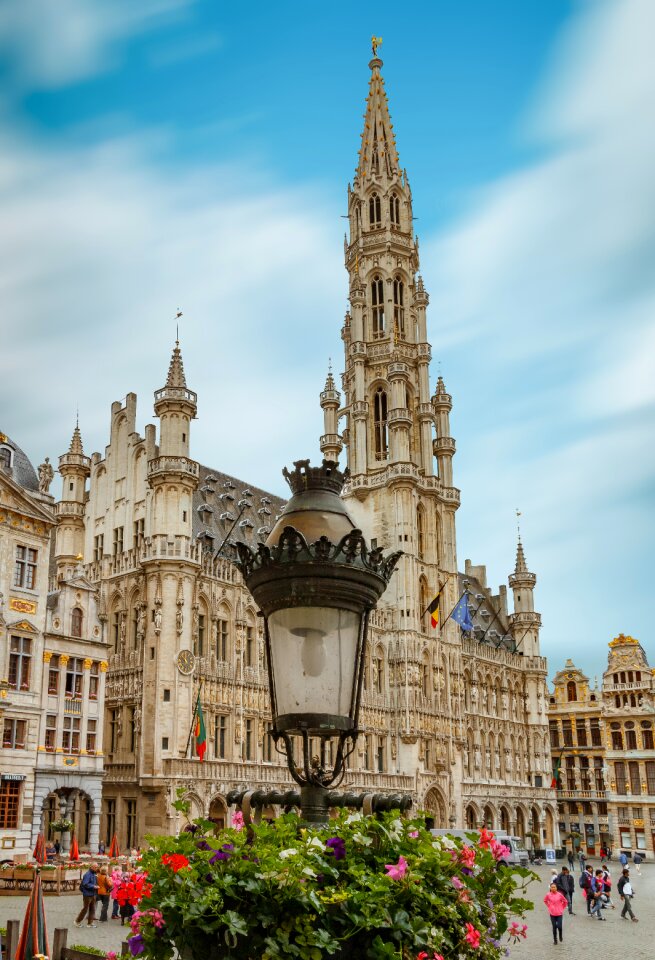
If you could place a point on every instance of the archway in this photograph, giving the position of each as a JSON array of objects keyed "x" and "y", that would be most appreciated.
[
  {"x": 505, "y": 825},
  {"x": 218, "y": 813},
  {"x": 488, "y": 817},
  {"x": 472, "y": 818},
  {"x": 520, "y": 823},
  {"x": 435, "y": 807}
]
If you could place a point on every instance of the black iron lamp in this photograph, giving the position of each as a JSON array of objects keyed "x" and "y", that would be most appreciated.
[{"x": 316, "y": 583}]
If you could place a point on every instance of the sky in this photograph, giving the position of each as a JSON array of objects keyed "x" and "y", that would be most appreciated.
[{"x": 195, "y": 154}]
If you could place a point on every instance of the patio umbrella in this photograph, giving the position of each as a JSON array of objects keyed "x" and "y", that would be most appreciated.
[
  {"x": 75, "y": 850},
  {"x": 114, "y": 849},
  {"x": 39, "y": 849},
  {"x": 34, "y": 936}
]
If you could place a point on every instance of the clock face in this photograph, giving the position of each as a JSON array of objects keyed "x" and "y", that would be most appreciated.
[{"x": 185, "y": 662}]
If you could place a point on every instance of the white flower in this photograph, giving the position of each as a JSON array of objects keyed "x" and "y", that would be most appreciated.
[
  {"x": 291, "y": 852},
  {"x": 309, "y": 872},
  {"x": 396, "y": 826},
  {"x": 360, "y": 838},
  {"x": 316, "y": 843},
  {"x": 354, "y": 817},
  {"x": 447, "y": 843}
]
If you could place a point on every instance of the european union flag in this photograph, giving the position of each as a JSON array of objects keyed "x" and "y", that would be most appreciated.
[{"x": 462, "y": 615}]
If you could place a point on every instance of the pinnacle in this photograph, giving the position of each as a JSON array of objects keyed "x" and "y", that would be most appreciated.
[
  {"x": 521, "y": 565},
  {"x": 176, "y": 376},
  {"x": 329, "y": 382},
  {"x": 378, "y": 154},
  {"x": 76, "y": 442}
]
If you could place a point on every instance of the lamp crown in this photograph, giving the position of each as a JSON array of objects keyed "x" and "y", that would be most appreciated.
[{"x": 326, "y": 477}]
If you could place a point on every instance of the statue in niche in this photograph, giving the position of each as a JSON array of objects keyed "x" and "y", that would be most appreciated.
[
  {"x": 476, "y": 757},
  {"x": 158, "y": 620},
  {"x": 504, "y": 699},
  {"x": 474, "y": 697},
  {"x": 494, "y": 701},
  {"x": 484, "y": 699},
  {"x": 179, "y": 620},
  {"x": 141, "y": 622}
]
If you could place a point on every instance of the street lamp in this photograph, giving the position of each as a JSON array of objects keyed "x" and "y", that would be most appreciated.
[{"x": 315, "y": 582}]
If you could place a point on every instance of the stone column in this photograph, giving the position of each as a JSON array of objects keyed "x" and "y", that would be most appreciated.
[{"x": 94, "y": 823}]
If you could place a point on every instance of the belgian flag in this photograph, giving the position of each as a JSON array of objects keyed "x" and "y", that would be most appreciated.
[
  {"x": 200, "y": 732},
  {"x": 433, "y": 609}
]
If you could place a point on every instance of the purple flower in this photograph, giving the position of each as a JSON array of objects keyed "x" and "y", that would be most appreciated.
[
  {"x": 190, "y": 828},
  {"x": 223, "y": 854},
  {"x": 136, "y": 945},
  {"x": 337, "y": 846},
  {"x": 203, "y": 845},
  {"x": 467, "y": 871}
]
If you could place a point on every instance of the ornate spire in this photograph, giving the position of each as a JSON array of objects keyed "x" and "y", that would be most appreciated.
[
  {"x": 521, "y": 566},
  {"x": 76, "y": 441},
  {"x": 176, "y": 376},
  {"x": 378, "y": 155}
]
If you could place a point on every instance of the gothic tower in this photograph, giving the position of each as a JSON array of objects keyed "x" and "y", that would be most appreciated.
[{"x": 75, "y": 469}]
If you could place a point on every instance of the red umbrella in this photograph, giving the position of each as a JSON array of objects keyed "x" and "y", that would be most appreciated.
[
  {"x": 39, "y": 849},
  {"x": 33, "y": 936},
  {"x": 75, "y": 850},
  {"x": 114, "y": 849}
]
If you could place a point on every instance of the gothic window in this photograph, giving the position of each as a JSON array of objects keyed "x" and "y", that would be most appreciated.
[
  {"x": 420, "y": 532},
  {"x": 378, "y": 670},
  {"x": 394, "y": 210},
  {"x": 377, "y": 305},
  {"x": 76, "y": 622},
  {"x": 425, "y": 675},
  {"x": 571, "y": 691},
  {"x": 250, "y": 646},
  {"x": 223, "y": 635},
  {"x": 425, "y": 602},
  {"x": 380, "y": 427},
  {"x": 202, "y": 620},
  {"x": 399, "y": 308},
  {"x": 374, "y": 211}
]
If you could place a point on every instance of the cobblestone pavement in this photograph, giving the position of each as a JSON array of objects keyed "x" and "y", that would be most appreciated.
[
  {"x": 616, "y": 939},
  {"x": 60, "y": 912}
]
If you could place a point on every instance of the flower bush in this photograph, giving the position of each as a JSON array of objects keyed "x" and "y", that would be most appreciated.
[
  {"x": 359, "y": 887},
  {"x": 62, "y": 825}
]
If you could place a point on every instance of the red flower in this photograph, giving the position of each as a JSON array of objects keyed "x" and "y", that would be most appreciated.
[
  {"x": 176, "y": 861},
  {"x": 472, "y": 936},
  {"x": 486, "y": 836},
  {"x": 132, "y": 889}
]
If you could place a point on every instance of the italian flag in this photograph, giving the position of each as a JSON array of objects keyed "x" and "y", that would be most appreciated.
[
  {"x": 200, "y": 732},
  {"x": 556, "y": 767}
]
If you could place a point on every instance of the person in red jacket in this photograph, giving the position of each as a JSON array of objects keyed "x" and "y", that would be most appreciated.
[{"x": 557, "y": 904}]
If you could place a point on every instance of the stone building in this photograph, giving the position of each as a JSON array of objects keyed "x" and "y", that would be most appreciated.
[
  {"x": 459, "y": 723},
  {"x": 605, "y": 739},
  {"x": 52, "y": 661}
]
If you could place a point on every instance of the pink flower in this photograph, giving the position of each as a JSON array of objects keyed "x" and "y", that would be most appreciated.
[
  {"x": 424, "y": 955},
  {"x": 472, "y": 936},
  {"x": 467, "y": 856},
  {"x": 237, "y": 820},
  {"x": 486, "y": 836},
  {"x": 499, "y": 850},
  {"x": 396, "y": 870},
  {"x": 518, "y": 930},
  {"x": 457, "y": 883},
  {"x": 112, "y": 955},
  {"x": 413, "y": 834}
]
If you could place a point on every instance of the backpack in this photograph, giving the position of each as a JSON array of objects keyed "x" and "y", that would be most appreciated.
[{"x": 584, "y": 881}]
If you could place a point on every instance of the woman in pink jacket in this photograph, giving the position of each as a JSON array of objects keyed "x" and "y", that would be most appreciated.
[
  {"x": 557, "y": 904},
  {"x": 116, "y": 877}
]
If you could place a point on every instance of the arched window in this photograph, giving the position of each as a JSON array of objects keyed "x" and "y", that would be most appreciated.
[
  {"x": 425, "y": 675},
  {"x": 380, "y": 428},
  {"x": 378, "y": 670},
  {"x": 394, "y": 210},
  {"x": 399, "y": 308},
  {"x": 76, "y": 622},
  {"x": 5, "y": 456},
  {"x": 420, "y": 531},
  {"x": 377, "y": 307},
  {"x": 374, "y": 211},
  {"x": 571, "y": 691}
]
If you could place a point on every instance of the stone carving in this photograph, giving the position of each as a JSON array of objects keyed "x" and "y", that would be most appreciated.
[
  {"x": 158, "y": 620},
  {"x": 46, "y": 475},
  {"x": 179, "y": 620}
]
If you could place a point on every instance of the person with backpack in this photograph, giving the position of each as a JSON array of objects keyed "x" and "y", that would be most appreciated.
[
  {"x": 565, "y": 884},
  {"x": 89, "y": 891},
  {"x": 571, "y": 860},
  {"x": 636, "y": 859},
  {"x": 585, "y": 884},
  {"x": 607, "y": 885},
  {"x": 556, "y": 903},
  {"x": 596, "y": 898},
  {"x": 626, "y": 893},
  {"x": 623, "y": 858},
  {"x": 104, "y": 889}
]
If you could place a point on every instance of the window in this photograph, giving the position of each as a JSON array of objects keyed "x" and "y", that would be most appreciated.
[
  {"x": 374, "y": 211},
  {"x": 250, "y": 646},
  {"x": 367, "y": 752},
  {"x": 130, "y": 823},
  {"x": 637, "y": 813},
  {"x": 116, "y": 628},
  {"x": 647, "y": 735},
  {"x": 94, "y": 680},
  {"x": 139, "y": 532},
  {"x": 50, "y": 732},
  {"x": 380, "y": 428},
  {"x": 20, "y": 663},
  {"x": 394, "y": 210},
  {"x": 420, "y": 532},
  {"x": 76, "y": 622},
  {"x": 377, "y": 307},
  {"x": 585, "y": 774},
  {"x": 619, "y": 776},
  {"x": 74, "y": 677},
  {"x": 399, "y": 308},
  {"x": 425, "y": 678},
  {"x": 14, "y": 733},
  {"x": 249, "y": 740},
  {"x": 110, "y": 820},
  {"x": 91, "y": 731},
  {"x": 221, "y": 640},
  {"x": 164, "y": 743},
  {"x": 554, "y": 734},
  {"x": 379, "y": 766},
  {"x": 567, "y": 733},
  {"x": 167, "y": 696},
  {"x": 581, "y": 733},
  {"x": 25, "y": 567},
  {"x": 9, "y": 804},
  {"x": 220, "y": 737},
  {"x": 570, "y": 773},
  {"x": 118, "y": 541},
  {"x": 635, "y": 780},
  {"x": 98, "y": 547},
  {"x": 599, "y": 780},
  {"x": 53, "y": 675},
  {"x": 378, "y": 672},
  {"x": 133, "y": 730},
  {"x": 70, "y": 740},
  {"x": 114, "y": 722},
  {"x": 200, "y": 645},
  {"x": 5, "y": 456},
  {"x": 571, "y": 691},
  {"x": 596, "y": 740},
  {"x": 134, "y": 627},
  {"x": 631, "y": 739},
  {"x": 617, "y": 740},
  {"x": 267, "y": 746}
]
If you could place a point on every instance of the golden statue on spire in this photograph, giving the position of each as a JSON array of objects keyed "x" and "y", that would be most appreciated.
[{"x": 375, "y": 43}]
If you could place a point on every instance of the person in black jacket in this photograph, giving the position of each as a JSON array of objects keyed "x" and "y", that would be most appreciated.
[
  {"x": 566, "y": 885},
  {"x": 626, "y": 893}
]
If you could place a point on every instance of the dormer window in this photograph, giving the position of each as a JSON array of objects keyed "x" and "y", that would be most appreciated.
[
  {"x": 377, "y": 305},
  {"x": 394, "y": 211},
  {"x": 571, "y": 691},
  {"x": 6, "y": 456},
  {"x": 374, "y": 211}
]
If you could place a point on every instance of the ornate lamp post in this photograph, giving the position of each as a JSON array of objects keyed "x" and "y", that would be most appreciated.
[{"x": 315, "y": 582}]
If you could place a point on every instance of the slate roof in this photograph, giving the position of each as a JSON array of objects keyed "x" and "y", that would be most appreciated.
[
  {"x": 21, "y": 470},
  {"x": 493, "y": 627}
]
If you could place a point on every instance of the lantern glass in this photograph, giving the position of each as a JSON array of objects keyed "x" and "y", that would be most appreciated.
[{"x": 314, "y": 653}]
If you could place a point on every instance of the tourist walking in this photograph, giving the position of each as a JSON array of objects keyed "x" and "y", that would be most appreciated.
[
  {"x": 623, "y": 858},
  {"x": 556, "y": 903},
  {"x": 626, "y": 893},
  {"x": 104, "y": 889},
  {"x": 571, "y": 860},
  {"x": 566, "y": 885},
  {"x": 583, "y": 859},
  {"x": 607, "y": 884},
  {"x": 116, "y": 878},
  {"x": 586, "y": 885},
  {"x": 595, "y": 896},
  {"x": 636, "y": 859},
  {"x": 89, "y": 891}
]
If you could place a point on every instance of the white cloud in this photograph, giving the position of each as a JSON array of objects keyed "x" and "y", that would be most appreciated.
[{"x": 544, "y": 297}]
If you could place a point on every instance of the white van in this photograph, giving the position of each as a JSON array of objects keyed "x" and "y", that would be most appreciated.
[{"x": 517, "y": 856}]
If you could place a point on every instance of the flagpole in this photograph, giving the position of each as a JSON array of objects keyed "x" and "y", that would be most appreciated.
[
  {"x": 452, "y": 611},
  {"x": 441, "y": 590},
  {"x": 193, "y": 718}
]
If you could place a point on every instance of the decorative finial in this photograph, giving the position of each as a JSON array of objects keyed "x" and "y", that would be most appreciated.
[
  {"x": 330, "y": 366},
  {"x": 177, "y": 325},
  {"x": 375, "y": 43},
  {"x": 518, "y": 522}
]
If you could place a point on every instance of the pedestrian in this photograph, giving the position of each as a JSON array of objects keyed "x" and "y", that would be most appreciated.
[
  {"x": 571, "y": 860},
  {"x": 556, "y": 903},
  {"x": 582, "y": 858},
  {"x": 636, "y": 859},
  {"x": 116, "y": 880},
  {"x": 607, "y": 884},
  {"x": 564, "y": 883},
  {"x": 104, "y": 889},
  {"x": 596, "y": 897},
  {"x": 57, "y": 848},
  {"x": 89, "y": 890},
  {"x": 623, "y": 858},
  {"x": 626, "y": 893},
  {"x": 586, "y": 885},
  {"x": 101, "y": 849}
]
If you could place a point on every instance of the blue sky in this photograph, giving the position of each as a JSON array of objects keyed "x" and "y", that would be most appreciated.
[{"x": 188, "y": 153}]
